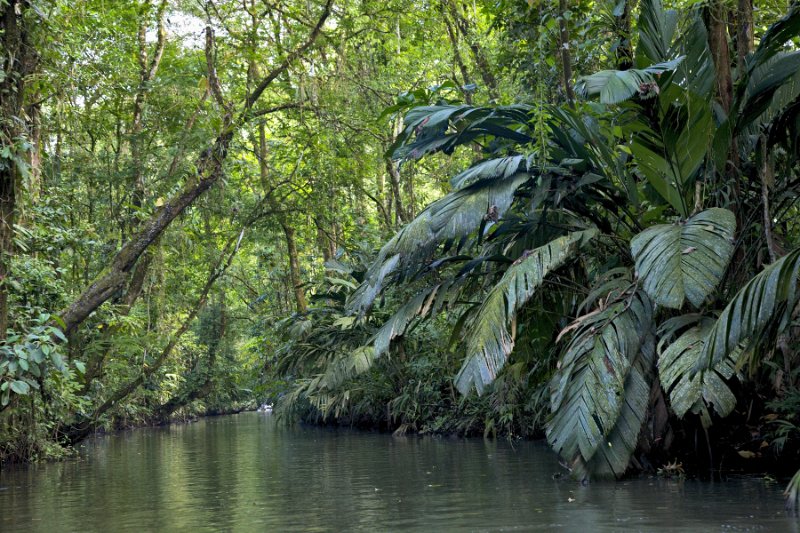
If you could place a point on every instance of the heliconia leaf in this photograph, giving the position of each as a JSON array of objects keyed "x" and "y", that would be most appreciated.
[
  {"x": 684, "y": 261},
  {"x": 488, "y": 341},
  {"x": 689, "y": 390},
  {"x": 593, "y": 394},
  {"x": 769, "y": 297}
]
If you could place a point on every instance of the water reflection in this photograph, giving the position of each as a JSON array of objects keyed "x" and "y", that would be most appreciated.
[{"x": 245, "y": 473}]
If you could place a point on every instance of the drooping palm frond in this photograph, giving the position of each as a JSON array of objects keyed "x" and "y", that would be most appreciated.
[
  {"x": 612, "y": 458},
  {"x": 657, "y": 27},
  {"x": 687, "y": 389},
  {"x": 769, "y": 297},
  {"x": 615, "y": 86},
  {"x": 770, "y": 84},
  {"x": 441, "y": 128},
  {"x": 488, "y": 341},
  {"x": 452, "y": 217},
  {"x": 428, "y": 300},
  {"x": 346, "y": 367},
  {"x": 595, "y": 393},
  {"x": 500, "y": 167},
  {"x": 685, "y": 260},
  {"x": 776, "y": 37},
  {"x": 771, "y": 88}
]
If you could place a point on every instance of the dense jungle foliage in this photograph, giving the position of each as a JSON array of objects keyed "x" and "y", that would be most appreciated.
[{"x": 576, "y": 220}]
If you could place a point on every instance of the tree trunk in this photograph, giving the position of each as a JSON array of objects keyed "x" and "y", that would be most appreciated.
[
  {"x": 209, "y": 171},
  {"x": 294, "y": 268},
  {"x": 744, "y": 32},
  {"x": 624, "y": 50},
  {"x": 17, "y": 62},
  {"x": 566, "y": 57},
  {"x": 478, "y": 55},
  {"x": 717, "y": 17},
  {"x": 78, "y": 432},
  {"x": 147, "y": 73},
  {"x": 400, "y": 215}
]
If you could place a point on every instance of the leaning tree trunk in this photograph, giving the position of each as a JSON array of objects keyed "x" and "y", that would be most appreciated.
[{"x": 294, "y": 268}]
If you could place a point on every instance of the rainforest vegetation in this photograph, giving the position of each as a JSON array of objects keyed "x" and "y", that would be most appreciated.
[{"x": 575, "y": 220}]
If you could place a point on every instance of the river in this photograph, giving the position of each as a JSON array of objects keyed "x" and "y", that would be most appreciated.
[{"x": 248, "y": 473}]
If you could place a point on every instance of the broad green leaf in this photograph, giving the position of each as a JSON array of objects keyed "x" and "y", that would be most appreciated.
[
  {"x": 615, "y": 86},
  {"x": 693, "y": 391},
  {"x": 20, "y": 387},
  {"x": 684, "y": 261}
]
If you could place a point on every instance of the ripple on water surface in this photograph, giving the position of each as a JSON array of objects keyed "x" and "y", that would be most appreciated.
[{"x": 247, "y": 473}]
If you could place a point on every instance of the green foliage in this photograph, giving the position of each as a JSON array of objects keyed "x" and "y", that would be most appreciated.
[
  {"x": 616, "y": 86},
  {"x": 687, "y": 389},
  {"x": 25, "y": 360},
  {"x": 767, "y": 300}
]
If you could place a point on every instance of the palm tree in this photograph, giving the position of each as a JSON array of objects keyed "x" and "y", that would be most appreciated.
[{"x": 642, "y": 220}]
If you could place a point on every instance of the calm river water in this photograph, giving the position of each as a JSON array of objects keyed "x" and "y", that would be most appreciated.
[{"x": 247, "y": 473}]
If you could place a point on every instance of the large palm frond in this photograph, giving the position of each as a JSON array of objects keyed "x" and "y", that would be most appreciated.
[
  {"x": 448, "y": 219},
  {"x": 768, "y": 298},
  {"x": 441, "y": 128},
  {"x": 595, "y": 392},
  {"x": 615, "y": 86},
  {"x": 687, "y": 389},
  {"x": 488, "y": 341},
  {"x": 685, "y": 260}
]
